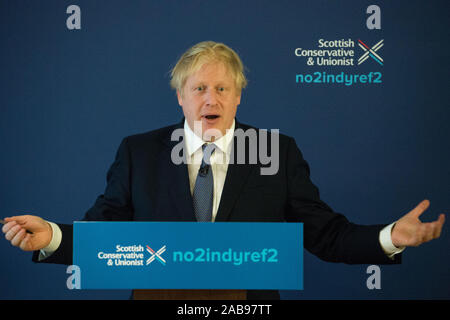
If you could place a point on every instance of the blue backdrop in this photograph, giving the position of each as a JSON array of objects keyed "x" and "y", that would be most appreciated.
[{"x": 68, "y": 97}]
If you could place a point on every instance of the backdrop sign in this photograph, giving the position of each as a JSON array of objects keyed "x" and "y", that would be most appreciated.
[{"x": 189, "y": 255}]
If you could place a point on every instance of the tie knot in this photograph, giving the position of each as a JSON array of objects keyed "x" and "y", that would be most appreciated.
[{"x": 208, "y": 150}]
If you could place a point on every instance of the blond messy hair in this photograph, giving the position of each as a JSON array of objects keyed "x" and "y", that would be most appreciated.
[{"x": 207, "y": 52}]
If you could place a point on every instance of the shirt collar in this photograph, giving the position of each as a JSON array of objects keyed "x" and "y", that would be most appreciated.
[{"x": 194, "y": 142}]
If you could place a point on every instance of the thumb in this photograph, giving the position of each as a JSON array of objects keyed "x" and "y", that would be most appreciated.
[
  {"x": 29, "y": 222},
  {"x": 21, "y": 220},
  {"x": 419, "y": 209}
]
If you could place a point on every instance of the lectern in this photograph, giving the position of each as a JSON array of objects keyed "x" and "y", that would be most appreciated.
[{"x": 189, "y": 260}]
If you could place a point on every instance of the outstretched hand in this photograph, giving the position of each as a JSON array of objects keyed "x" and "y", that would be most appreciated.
[
  {"x": 409, "y": 231},
  {"x": 38, "y": 236}
]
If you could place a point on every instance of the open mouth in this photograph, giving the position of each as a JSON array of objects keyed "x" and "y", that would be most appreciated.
[{"x": 211, "y": 116}]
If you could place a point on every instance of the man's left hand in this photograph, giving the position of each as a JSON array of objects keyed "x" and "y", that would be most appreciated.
[{"x": 409, "y": 231}]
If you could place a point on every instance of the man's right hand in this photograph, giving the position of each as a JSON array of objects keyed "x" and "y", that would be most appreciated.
[{"x": 16, "y": 228}]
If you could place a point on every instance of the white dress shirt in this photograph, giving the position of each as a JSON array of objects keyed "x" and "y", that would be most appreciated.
[{"x": 219, "y": 163}]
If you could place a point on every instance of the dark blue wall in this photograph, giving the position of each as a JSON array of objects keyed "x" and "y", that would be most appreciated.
[{"x": 67, "y": 98}]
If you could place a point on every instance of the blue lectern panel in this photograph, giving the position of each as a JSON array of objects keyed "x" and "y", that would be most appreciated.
[{"x": 189, "y": 255}]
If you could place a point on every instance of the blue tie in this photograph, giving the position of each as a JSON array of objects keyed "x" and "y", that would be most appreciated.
[{"x": 204, "y": 186}]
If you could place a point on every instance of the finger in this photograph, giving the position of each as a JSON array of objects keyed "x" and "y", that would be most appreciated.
[
  {"x": 433, "y": 229},
  {"x": 26, "y": 221},
  {"x": 440, "y": 224},
  {"x": 19, "y": 219},
  {"x": 8, "y": 226},
  {"x": 18, "y": 238},
  {"x": 420, "y": 208},
  {"x": 12, "y": 232},
  {"x": 14, "y": 218},
  {"x": 429, "y": 233},
  {"x": 25, "y": 244}
]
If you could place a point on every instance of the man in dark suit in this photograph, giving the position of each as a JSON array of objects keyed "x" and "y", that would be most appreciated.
[{"x": 147, "y": 182}]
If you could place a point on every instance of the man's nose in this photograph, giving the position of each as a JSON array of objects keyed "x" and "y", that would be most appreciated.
[{"x": 211, "y": 97}]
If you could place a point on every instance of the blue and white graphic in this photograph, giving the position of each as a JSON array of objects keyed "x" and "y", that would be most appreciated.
[
  {"x": 156, "y": 255},
  {"x": 191, "y": 255},
  {"x": 370, "y": 52}
]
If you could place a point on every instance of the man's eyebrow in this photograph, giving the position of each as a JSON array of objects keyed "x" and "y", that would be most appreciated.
[
  {"x": 202, "y": 84},
  {"x": 197, "y": 84}
]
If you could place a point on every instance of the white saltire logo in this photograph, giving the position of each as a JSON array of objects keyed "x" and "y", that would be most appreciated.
[{"x": 156, "y": 255}]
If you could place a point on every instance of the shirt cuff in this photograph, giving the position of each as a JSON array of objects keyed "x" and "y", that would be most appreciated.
[
  {"x": 54, "y": 243},
  {"x": 386, "y": 242}
]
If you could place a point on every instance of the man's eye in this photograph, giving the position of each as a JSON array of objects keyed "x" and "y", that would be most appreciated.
[
  {"x": 221, "y": 89},
  {"x": 199, "y": 88}
]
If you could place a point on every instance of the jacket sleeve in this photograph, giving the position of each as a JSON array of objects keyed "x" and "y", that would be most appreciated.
[
  {"x": 113, "y": 205},
  {"x": 328, "y": 235},
  {"x": 63, "y": 255}
]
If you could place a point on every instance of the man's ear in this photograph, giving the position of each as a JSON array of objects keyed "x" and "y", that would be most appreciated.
[
  {"x": 238, "y": 100},
  {"x": 180, "y": 98}
]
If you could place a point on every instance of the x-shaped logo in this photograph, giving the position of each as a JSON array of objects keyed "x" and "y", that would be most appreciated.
[
  {"x": 156, "y": 255},
  {"x": 370, "y": 52}
]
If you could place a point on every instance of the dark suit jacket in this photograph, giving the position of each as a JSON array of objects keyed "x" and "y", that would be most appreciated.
[{"x": 143, "y": 184}]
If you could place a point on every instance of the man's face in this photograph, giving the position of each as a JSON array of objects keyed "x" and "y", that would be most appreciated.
[{"x": 210, "y": 97}]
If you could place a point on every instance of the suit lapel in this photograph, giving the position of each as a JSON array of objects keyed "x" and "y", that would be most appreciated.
[
  {"x": 180, "y": 194},
  {"x": 178, "y": 179},
  {"x": 237, "y": 176}
]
